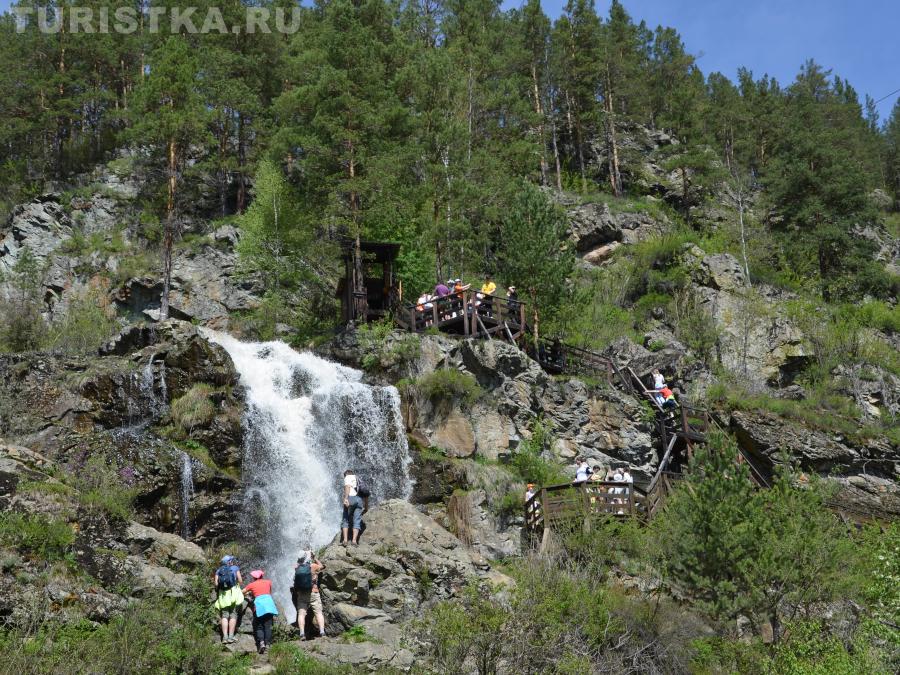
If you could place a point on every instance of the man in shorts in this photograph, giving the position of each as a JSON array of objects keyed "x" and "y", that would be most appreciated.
[{"x": 308, "y": 598}]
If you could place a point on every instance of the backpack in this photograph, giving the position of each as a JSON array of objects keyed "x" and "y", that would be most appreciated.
[
  {"x": 362, "y": 490},
  {"x": 225, "y": 577},
  {"x": 303, "y": 577}
]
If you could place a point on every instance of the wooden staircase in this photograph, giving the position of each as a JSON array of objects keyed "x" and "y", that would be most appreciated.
[{"x": 564, "y": 507}]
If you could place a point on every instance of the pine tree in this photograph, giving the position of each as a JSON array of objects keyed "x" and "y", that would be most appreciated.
[
  {"x": 576, "y": 44},
  {"x": 819, "y": 182},
  {"x": 534, "y": 254},
  {"x": 170, "y": 116},
  {"x": 623, "y": 60},
  {"x": 536, "y": 41},
  {"x": 741, "y": 551},
  {"x": 892, "y": 154}
]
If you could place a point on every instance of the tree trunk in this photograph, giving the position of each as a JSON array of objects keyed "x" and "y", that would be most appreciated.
[
  {"x": 556, "y": 157},
  {"x": 169, "y": 231},
  {"x": 470, "y": 114},
  {"x": 615, "y": 176},
  {"x": 576, "y": 139},
  {"x": 540, "y": 113},
  {"x": 360, "y": 299},
  {"x": 242, "y": 162},
  {"x": 743, "y": 234},
  {"x": 223, "y": 169}
]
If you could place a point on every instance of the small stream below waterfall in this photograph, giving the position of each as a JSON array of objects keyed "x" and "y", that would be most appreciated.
[
  {"x": 307, "y": 420},
  {"x": 187, "y": 491}
]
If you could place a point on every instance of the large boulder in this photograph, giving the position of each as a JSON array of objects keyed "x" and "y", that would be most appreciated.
[
  {"x": 405, "y": 562},
  {"x": 404, "y": 559}
]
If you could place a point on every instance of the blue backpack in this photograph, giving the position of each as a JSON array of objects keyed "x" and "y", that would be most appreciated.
[{"x": 226, "y": 577}]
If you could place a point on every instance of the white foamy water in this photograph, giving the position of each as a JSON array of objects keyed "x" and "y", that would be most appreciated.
[
  {"x": 307, "y": 420},
  {"x": 187, "y": 492}
]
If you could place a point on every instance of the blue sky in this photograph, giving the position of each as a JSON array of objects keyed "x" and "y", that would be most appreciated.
[{"x": 858, "y": 40}]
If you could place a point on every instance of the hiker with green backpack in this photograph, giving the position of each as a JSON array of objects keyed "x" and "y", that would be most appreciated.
[
  {"x": 229, "y": 597},
  {"x": 305, "y": 591}
]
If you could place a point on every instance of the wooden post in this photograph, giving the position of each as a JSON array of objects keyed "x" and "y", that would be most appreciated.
[
  {"x": 586, "y": 502},
  {"x": 412, "y": 320}
]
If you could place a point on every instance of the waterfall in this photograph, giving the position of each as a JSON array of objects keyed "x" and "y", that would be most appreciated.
[
  {"x": 142, "y": 404},
  {"x": 307, "y": 420},
  {"x": 187, "y": 491}
]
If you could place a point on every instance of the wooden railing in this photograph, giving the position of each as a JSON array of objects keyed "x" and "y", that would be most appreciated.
[
  {"x": 576, "y": 504},
  {"x": 466, "y": 313}
]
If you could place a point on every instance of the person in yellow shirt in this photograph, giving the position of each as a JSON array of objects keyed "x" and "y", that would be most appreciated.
[{"x": 487, "y": 290}]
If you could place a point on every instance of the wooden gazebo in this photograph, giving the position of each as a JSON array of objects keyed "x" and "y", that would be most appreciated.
[{"x": 369, "y": 289}]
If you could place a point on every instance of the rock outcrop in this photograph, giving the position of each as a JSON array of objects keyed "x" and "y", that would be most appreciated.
[
  {"x": 601, "y": 423},
  {"x": 758, "y": 338},
  {"x": 866, "y": 473},
  {"x": 64, "y": 233},
  {"x": 404, "y": 564},
  {"x": 125, "y": 560},
  {"x": 116, "y": 409}
]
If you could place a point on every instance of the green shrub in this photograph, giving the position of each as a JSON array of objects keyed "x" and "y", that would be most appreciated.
[
  {"x": 36, "y": 535},
  {"x": 694, "y": 325},
  {"x": 880, "y": 548},
  {"x": 535, "y": 460},
  {"x": 356, "y": 634},
  {"x": 194, "y": 408},
  {"x": 380, "y": 350},
  {"x": 468, "y": 629},
  {"x": 450, "y": 384},
  {"x": 811, "y": 649},
  {"x": 739, "y": 551},
  {"x": 511, "y": 504},
  {"x": 102, "y": 490},
  {"x": 87, "y": 323},
  {"x": 153, "y": 635}
]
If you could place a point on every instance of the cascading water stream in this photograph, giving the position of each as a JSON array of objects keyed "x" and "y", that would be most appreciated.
[
  {"x": 307, "y": 420},
  {"x": 187, "y": 491}
]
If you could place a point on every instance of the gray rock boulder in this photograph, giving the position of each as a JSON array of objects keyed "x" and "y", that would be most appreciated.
[
  {"x": 594, "y": 225},
  {"x": 405, "y": 563},
  {"x": 164, "y": 547}
]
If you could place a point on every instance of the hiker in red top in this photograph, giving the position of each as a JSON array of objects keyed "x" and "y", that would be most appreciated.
[{"x": 264, "y": 611}]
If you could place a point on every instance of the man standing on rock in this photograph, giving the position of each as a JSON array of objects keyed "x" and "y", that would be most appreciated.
[
  {"x": 306, "y": 592},
  {"x": 353, "y": 508}
]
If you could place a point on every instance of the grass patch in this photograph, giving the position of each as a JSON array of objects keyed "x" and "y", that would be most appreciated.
[
  {"x": 194, "y": 408},
  {"x": 101, "y": 489},
  {"x": 46, "y": 487},
  {"x": 36, "y": 535},
  {"x": 289, "y": 659},
  {"x": 357, "y": 634}
]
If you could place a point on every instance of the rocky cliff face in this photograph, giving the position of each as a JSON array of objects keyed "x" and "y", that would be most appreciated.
[
  {"x": 114, "y": 409},
  {"x": 120, "y": 561},
  {"x": 76, "y": 239}
]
